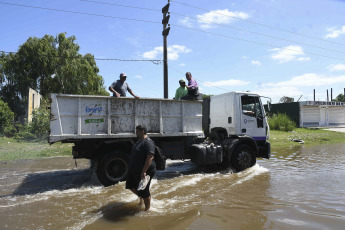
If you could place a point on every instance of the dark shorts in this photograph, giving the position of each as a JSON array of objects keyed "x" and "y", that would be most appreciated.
[{"x": 134, "y": 179}]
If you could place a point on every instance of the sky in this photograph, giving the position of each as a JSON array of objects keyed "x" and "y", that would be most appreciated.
[{"x": 275, "y": 48}]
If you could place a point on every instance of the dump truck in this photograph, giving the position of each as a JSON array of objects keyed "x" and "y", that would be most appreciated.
[{"x": 103, "y": 130}]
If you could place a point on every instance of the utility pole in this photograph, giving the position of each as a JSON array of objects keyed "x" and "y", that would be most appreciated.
[{"x": 165, "y": 33}]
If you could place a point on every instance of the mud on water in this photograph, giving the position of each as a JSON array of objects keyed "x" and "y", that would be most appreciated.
[{"x": 298, "y": 188}]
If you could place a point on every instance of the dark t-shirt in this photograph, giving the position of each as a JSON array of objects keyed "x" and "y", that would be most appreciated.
[{"x": 139, "y": 154}]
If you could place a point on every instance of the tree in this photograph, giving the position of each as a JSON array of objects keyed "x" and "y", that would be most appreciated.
[
  {"x": 340, "y": 98},
  {"x": 286, "y": 99},
  {"x": 48, "y": 65},
  {"x": 6, "y": 116}
]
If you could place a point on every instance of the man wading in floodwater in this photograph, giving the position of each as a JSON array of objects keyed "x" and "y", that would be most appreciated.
[{"x": 141, "y": 164}]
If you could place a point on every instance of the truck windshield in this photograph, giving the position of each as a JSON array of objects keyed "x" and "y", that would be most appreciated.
[{"x": 251, "y": 106}]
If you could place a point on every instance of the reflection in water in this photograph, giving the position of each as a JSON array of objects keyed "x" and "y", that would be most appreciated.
[{"x": 298, "y": 188}]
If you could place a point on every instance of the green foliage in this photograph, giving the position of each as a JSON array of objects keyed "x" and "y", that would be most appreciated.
[
  {"x": 47, "y": 65},
  {"x": 286, "y": 99},
  {"x": 340, "y": 98},
  {"x": 37, "y": 129},
  {"x": 40, "y": 122},
  {"x": 6, "y": 118},
  {"x": 281, "y": 122},
  {"x": 23, "y": 132},
  {"x": 206, "y": 96}
]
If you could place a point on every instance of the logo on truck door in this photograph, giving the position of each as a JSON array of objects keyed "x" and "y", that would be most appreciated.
[
  {"x": 93, "y": 109},
  {"x": 247, "y": 121}
]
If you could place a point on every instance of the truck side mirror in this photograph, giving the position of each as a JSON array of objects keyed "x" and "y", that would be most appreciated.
[{"x": 269, "y": 106}]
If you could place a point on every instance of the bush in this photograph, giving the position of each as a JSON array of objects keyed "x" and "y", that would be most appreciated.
[
  {"x": 6, "y": 118},
  {"x": 23, "y": 132},
  {"x": 40, "y": 122},
  {"x": 37, "y": 129},
  {"x": 281, "y": 122}
]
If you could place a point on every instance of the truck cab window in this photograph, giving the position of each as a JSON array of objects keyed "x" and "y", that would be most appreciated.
[
  {"x": 248, "y": 106},
  {"x": 258, "y": 108}
]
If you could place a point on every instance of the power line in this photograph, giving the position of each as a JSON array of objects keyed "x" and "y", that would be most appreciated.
[
  {"x": 260, "y": 43},
  {"x": 249, "y": 21},
  {"x": 99, "y": 59},
  {"x": 77, "y": 12},
  {"x": 233, "y": 27},
  {"x": 100, "y": 15},
  {"x": 219, "y": 24}
]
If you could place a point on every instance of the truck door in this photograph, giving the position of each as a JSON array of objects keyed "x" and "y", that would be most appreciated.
[{"x": 252, "y": 117}]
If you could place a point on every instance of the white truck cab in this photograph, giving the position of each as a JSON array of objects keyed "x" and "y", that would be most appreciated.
[{"x": 239, "y": 113}]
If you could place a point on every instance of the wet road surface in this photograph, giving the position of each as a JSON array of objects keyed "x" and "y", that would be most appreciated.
[{"x": 298, "y": 188}]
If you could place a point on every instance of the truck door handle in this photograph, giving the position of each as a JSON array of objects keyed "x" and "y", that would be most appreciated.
[
  {"x": 244, "y": 130},
  {"x": 229, "y": 120}
]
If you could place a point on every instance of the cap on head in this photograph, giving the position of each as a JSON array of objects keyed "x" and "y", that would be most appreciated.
[
  {"x": 182, "y": 81},
  {"x": 123, "y": 75}
]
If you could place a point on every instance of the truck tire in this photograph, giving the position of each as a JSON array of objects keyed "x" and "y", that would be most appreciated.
[
  {"x": 112, "y": 168},
  {"x": 243, "y": 157}
]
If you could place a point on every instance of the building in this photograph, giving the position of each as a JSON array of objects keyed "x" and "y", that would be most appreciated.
[{"x": 313, "y": 113}]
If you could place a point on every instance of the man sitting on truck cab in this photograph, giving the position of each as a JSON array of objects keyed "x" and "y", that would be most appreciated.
[
  {"x": 119, "y": 87},
  {"x": 193, "y": 88},
  {"x": 182, "y": 90}
]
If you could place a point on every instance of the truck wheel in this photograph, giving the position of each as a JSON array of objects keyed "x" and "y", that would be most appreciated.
[
  {"x": 243, "y": 157},
  {"x": 112, "y": 168}
]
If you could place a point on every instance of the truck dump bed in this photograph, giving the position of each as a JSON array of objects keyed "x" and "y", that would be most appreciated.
[{"x": 75, "y": 117}]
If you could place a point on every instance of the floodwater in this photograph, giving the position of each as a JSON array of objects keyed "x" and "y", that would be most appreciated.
[{"x": 298, "y": 188}]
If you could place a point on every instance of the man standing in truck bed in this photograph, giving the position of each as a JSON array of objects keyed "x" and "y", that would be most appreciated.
[
  {"x": 141, "y": 164},
  {"x": 119, "y": 87}
]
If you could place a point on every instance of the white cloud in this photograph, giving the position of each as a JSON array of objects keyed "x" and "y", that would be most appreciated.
[
  {"x": 338, "y": 67},
  {"x": 138, "y": 76},
  {"x": 334, "y": 32},
  {"x": 310, "y": 79},
  {"x": 182, "y": 64},
  {"x": 230, "y": 82},
  {"x": 220, "y": 17},
  {"x": 153, "y": 53},
  {"x": 186, "y": 22},
  {"x": 256, "y": 63},
  {"x": 289, "y": 53},
  {"x": 174, "y": 52}
]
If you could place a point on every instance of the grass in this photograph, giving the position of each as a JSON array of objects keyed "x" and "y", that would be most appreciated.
[
  {"x": 309, "y": 136},
  {"x": 10, "y": 149}
]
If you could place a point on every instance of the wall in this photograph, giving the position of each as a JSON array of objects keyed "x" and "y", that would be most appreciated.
[{"x": 34, "y": 101}]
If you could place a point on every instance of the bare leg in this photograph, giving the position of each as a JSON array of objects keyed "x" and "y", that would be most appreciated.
[
  {"x": 136, "y": 193},
  {"x": 147, "y": 202}
]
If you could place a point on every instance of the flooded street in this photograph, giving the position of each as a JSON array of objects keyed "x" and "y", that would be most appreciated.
[{"x": 298, "y": 188}]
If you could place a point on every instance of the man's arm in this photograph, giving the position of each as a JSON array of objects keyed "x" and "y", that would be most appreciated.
[
  {"x": 192, "y": 84},
  {"x": 131, "y": 92},
  {"x": 148, "y": 162},
  {"x": 113, "y": 90}
]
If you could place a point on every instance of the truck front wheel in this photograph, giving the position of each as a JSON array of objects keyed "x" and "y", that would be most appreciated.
[
  {"x": 112, "y": 168},
  {"x": 243, "y": 157}
]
